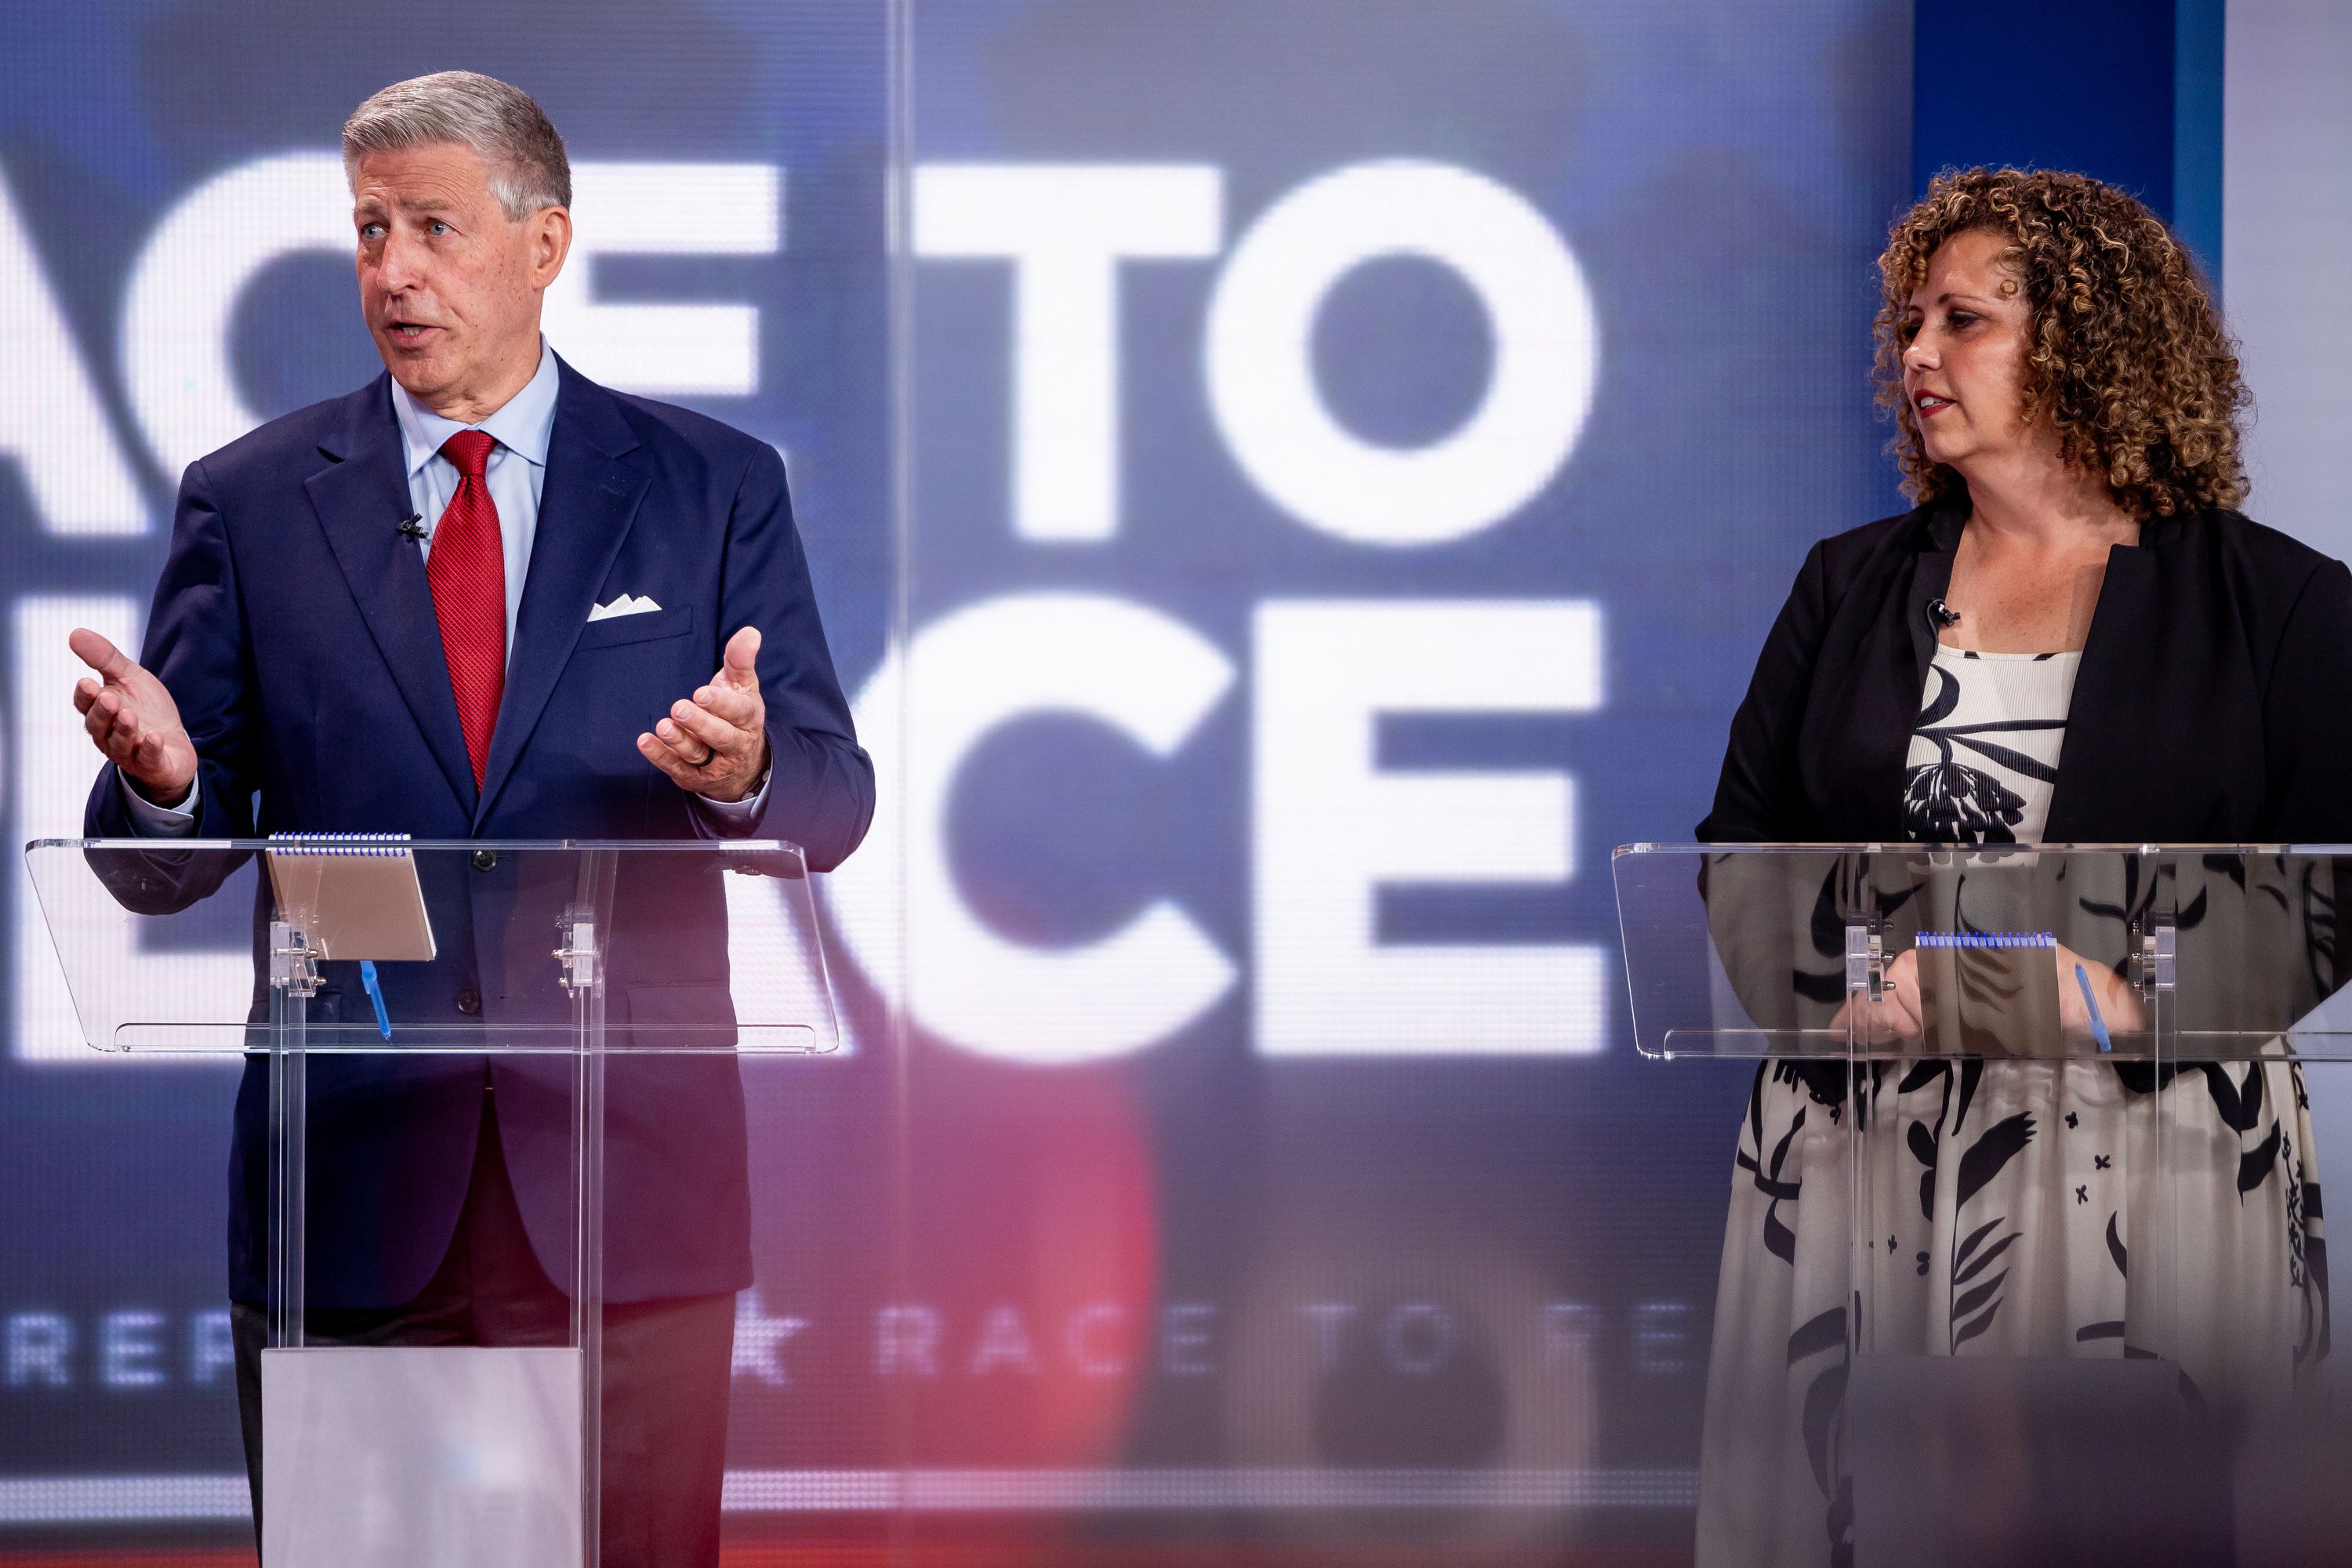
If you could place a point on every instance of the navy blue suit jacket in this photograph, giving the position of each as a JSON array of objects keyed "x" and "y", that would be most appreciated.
[{"x": 294, "y": 628}]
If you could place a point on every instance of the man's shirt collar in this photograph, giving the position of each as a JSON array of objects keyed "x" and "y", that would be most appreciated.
[{"x": 521, "y": 425}]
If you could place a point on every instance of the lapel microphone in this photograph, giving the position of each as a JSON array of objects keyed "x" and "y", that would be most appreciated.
[
  {"x": 412, "y": 527},
  {"x": 1941, "y": 614}
]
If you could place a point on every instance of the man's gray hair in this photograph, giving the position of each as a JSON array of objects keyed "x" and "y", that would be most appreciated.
[{"x": 525, "y": 156}]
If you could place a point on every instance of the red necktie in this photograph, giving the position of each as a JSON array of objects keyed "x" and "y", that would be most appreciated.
[{"x": 468, "y": 571}]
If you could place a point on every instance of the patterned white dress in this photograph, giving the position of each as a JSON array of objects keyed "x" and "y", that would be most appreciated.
[{"x": 2007, "y": 1190}]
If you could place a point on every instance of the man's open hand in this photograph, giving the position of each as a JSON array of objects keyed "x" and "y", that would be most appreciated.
[
  {"x": 132, "y": 719},
  {"x": 716, "y": 744}
]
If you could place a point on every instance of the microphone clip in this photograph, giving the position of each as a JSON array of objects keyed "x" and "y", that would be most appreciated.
[
  {"x": 1941, "y": 614},
  {"x": 412, "y": 527}
]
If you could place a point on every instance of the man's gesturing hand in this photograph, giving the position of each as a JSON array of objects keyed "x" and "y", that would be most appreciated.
[
  {"x": 717, "y": 745},
  {"x": 132, "y": 719}
]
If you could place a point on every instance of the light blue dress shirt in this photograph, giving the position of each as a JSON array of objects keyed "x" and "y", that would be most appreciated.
[{"x": 516, "y": 474}]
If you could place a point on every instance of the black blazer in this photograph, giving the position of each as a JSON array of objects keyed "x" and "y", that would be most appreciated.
[{"x": 2213, "y": 704}]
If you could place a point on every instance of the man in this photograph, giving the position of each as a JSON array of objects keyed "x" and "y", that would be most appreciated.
[{"x": 319, "y": 658}]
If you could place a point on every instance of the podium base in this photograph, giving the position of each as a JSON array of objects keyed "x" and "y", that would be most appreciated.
[
  {"x": 1994, "y": 1461},
  {"x": 391, "y": 1456}
]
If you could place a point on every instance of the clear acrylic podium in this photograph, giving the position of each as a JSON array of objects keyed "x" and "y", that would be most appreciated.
[
  {"x": 2169, "y": 989},
  {"x": 349, "y": 966}
]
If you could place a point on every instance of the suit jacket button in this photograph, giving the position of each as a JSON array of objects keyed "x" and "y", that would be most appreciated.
[
  {"x": 484, "y": 859},
  {"x": 470, "y": 1001}
]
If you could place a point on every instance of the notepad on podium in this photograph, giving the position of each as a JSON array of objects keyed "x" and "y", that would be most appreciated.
[
  {"x": 1991, "y": 994},
  {"x": 354, "y": 895}
]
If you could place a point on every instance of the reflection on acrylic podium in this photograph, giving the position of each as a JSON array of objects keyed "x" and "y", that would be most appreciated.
[
  {"x": 2025, "y": 1254},
  {"x": 585, "y": 985}
]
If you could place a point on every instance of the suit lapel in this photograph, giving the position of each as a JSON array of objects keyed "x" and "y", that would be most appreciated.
[
  {"x": 361, "y": 497},
  {"x": 586, "y": 502},
  {"x": 1854, "y": 740},
  {"x": 2113, "y": 711},
  {"x": 1931, "y": 579}
]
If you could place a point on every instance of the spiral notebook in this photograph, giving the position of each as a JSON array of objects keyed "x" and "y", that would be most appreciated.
[
  {"x": 1990, "y": 993},
  {"x": 353, "y": 895}
]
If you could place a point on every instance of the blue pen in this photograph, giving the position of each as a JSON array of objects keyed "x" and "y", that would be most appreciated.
[
  {"x": 384, "y": 1019},
  {"x": 2098, "y": 1025}
]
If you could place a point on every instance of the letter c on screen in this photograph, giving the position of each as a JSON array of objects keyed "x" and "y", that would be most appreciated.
[{"x": 1147, "y": 676}]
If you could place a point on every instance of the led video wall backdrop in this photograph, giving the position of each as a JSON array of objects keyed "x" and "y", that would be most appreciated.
[{"x": 1290, "y": 486}]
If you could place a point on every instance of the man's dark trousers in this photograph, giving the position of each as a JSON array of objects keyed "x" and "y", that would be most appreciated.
[{"x": 666, "y": 1368}]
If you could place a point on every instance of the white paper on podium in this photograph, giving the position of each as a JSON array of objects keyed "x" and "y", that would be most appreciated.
[{"x": 395, "y": 1456}]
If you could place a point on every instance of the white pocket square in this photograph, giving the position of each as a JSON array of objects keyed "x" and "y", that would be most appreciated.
[{"x": 626, "y": 605}]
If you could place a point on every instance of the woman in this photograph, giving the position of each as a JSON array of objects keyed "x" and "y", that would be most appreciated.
[{"x": 2071, "y": 639}]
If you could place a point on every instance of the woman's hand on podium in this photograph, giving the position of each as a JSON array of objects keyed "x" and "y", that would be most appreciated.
[
  {"x": 2119, "y": 1007},
  {"x": 1896, "y": 1017},
  {"x": 131, "y": 718}
]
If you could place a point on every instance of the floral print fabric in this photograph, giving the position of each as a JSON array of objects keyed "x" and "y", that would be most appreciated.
[{"x": 1984, "y": 756}]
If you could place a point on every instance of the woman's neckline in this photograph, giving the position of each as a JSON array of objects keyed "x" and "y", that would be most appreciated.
[{"x": 1958, "y": 652}]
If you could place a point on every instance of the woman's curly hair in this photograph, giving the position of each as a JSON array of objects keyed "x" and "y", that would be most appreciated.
[{"x": 2127, "y": 354}]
